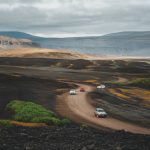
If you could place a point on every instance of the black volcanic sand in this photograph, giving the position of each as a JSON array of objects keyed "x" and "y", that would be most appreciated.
[
  {"x": 72, "y": 137},
  {"x": 19, "y": 87},
  {"x": 46, "y": 62},
  {"x": 122, "y": 66},
  {"x": 36, "y": 80},
  {"x": 77, "y": 70}
]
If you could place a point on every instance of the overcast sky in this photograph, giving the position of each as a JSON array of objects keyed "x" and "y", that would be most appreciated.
[{"x": 59, "y": 18}]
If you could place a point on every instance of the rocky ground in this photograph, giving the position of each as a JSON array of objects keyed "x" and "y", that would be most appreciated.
[
  {"x": 9, "y": 42},
  {"x": 72, "y": 137}
]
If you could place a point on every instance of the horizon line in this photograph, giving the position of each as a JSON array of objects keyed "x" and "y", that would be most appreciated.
[{"x": 81, "y": 36}]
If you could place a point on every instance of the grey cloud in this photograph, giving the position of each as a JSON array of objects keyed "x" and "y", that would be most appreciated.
[{"x": 74, "y": 17}]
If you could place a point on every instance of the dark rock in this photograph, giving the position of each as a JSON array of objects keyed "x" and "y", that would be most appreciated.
[
  {"x": 23, "y": 134},
  {"x": 91, "y": 147},
  {"x": 70, "y": 138},
  {"x": 84, "y": 148}
]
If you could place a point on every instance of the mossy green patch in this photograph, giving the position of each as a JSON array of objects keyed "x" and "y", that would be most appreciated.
[
  {"x": 140, "y": 82},
  {"x": 31, "y": 112},
  {"x": 6, "y": 123}
]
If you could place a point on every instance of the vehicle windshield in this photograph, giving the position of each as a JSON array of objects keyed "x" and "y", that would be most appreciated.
[{"x": 100, "y": 110}]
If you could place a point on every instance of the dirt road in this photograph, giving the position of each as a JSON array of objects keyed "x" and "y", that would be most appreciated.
[{"x": 77, "y": 108}]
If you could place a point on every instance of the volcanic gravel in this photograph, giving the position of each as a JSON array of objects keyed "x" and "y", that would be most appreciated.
[{"x": 70, "y": 137}]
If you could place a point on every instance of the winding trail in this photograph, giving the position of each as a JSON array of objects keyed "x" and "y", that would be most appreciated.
[{"x": 77, "y": 108}]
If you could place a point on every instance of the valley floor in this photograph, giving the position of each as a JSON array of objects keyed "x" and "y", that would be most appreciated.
[{"x": 41, "y": 80}]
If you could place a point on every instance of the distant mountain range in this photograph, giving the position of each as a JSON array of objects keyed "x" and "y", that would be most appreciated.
[
  {"x": 18, "y": 35},
  {"x": 121, "y": 43}
]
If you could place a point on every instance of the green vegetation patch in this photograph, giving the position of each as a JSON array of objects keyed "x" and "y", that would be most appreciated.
[
  {"x": 31, "y": 112},
  {"x": 6, "y": 123},
  {"x": 141, "y": 82}
]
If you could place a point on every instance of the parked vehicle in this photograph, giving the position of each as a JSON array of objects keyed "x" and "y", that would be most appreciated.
[
  {"x": 99, "y": 112},
  {"x": 72, "y": 92},
  {"x": 101, "y": 88},
  {"x": 82, "y": 90}
]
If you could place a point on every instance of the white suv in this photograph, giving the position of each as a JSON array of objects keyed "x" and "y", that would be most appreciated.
[
  {"x": 99, "y": 112},
  {"x": 72, "y": 92}
]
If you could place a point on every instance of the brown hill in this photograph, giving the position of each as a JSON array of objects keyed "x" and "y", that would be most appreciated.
[{"x": 42, "y": 53}]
